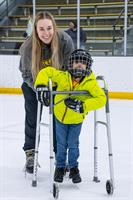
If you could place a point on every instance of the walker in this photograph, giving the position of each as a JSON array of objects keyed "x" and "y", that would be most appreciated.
[{"x": 54, "y": 187}]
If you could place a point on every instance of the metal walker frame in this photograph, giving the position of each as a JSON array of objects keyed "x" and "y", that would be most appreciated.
[
  {"x": 110, "y": 184},
  {"x": 54, "y": 187}
]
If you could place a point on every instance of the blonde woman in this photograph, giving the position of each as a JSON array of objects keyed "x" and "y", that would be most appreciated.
[{"x": 46, "y": 46}]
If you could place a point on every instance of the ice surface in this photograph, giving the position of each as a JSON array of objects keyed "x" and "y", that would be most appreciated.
[{"x": 14, "y": 185}]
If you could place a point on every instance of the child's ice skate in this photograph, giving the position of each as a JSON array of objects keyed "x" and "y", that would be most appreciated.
[
  {"x": 59, "y": 174},
  {"x": 75, "y": 175}
]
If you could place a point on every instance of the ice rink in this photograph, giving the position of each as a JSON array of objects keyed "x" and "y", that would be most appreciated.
[{"x": 15, "y": 186}]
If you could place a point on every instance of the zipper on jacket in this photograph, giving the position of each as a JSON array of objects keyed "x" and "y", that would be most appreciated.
[
  {"x": 66, "y": 106},
  {"x": 64, "y": 114},
  {"x": 70, "y": 90}
]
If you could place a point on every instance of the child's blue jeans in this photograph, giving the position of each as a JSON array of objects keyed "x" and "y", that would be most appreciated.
[{"x": 67, "y": 136}]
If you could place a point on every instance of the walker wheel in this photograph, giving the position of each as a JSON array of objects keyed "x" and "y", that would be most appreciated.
[
  {"x": 55, "y": 191},
  {"x": 109, "y": 187}
]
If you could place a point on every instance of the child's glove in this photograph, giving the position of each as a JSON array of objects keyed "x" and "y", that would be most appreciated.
[
  {"x": 74, "y": 104},
  {"x": 43, "y": 94}
]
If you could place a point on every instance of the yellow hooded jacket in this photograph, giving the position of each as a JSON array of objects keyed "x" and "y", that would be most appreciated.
[{"x": 94, "y": 100}]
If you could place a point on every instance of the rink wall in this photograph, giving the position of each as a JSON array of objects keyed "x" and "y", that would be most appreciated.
[{"x": 118, "y": 72}]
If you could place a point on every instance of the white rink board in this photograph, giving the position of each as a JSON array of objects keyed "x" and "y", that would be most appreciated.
[{"x": 118, "y": 72}]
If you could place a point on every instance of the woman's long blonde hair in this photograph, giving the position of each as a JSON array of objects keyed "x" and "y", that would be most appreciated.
[{"x": 37, "y": 46}]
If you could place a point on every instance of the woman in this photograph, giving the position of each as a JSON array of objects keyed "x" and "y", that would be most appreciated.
[{"x": 47, "y": 46}]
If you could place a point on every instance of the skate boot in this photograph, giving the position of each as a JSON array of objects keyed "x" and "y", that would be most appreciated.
[
  {"x": 75, "y": 175},
  {"x": 59, "y": 174},
  {"x": 29, "y": 166}
]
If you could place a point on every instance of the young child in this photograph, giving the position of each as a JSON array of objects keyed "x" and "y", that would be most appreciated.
[{"x": 71, "y": 112}]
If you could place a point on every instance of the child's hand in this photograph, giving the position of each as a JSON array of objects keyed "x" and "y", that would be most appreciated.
[
  {"x": 43, "y": 94},
  {"x": 74, "y": 104}
]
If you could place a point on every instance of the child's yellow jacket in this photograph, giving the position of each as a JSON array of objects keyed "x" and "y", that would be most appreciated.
[{"x": 94, "y": 100}]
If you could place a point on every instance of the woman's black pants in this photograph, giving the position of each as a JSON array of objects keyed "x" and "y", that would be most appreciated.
[{"x": 31, "y": 118}]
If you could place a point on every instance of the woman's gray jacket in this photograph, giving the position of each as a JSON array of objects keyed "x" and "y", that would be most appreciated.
[{"x": 66, "y": 48}]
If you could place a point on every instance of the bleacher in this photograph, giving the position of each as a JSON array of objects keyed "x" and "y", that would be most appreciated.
[{"x": 96, "y": 18}]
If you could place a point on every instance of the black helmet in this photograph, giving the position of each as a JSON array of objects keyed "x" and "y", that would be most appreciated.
[{"x": 82, "y": 56}]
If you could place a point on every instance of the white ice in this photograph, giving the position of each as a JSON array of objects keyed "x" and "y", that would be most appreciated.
[{"x": 14, "y": 185}]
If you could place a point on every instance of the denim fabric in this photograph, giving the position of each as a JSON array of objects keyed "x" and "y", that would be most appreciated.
[{"x": 67, "y": 136}]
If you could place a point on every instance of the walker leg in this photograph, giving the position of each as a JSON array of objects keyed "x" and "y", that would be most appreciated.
[
  {"x": 34, "y": 178},
  {"x": 51, "y": 152},
  {"x": 95, "y": 178},
  {"x": 54, "y": 187},
  {"x": 110, "y": 183}
]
